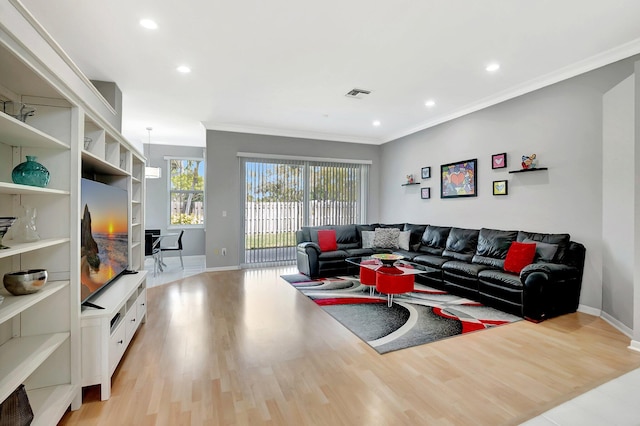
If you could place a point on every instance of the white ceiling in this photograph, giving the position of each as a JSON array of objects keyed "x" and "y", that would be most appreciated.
[{"x": 283, "y": 67}]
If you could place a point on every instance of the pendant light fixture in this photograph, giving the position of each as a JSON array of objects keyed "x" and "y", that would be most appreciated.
[{"x": 152, "y": 172}]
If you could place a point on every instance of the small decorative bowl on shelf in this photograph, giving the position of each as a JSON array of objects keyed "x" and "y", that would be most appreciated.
[{"x": 25, "y": 282}]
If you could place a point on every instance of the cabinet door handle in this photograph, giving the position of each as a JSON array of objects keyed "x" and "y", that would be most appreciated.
[
  {"x": 142, "y": 304},
  {"x": 120, "y": 342},
  {"x": 133, "y": 320}
]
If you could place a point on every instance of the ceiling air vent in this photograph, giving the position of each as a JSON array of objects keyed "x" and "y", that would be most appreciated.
[{"x": 357, "y": 93}]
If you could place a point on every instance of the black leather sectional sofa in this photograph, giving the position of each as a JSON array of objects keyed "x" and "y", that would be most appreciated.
[{"x": 469, "y": 262}]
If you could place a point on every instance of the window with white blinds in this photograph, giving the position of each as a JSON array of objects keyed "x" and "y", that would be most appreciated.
[{"x": 282, "y": 195}]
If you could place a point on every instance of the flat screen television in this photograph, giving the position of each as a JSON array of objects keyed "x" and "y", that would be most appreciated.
[{"x": 104, "y": 251}]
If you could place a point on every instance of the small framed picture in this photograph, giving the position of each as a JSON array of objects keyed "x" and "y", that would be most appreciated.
[
  {"x": 499, "y": 161},
  {"x": 500, "y": 187},
  {"x": 426, "y": 172},
  {"x": 425, "y": 193}
]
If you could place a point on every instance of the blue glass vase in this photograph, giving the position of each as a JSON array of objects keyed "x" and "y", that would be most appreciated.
[{"x": 31, "y": 173}]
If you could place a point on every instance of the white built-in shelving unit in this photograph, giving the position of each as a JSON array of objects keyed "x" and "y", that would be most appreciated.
[
  {"x": 40, "y": 334},
  {"x": 116, "y": 163}
]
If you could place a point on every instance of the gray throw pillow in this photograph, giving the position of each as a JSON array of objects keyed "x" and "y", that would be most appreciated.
[
  {"x": 367, "y": 239},
  {"x": 403, "y": 240},
  {"x": 545, "y": 252},
  {"x": 386, "y": 238}
]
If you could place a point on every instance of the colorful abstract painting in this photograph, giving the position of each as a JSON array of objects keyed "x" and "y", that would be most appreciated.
[{"x": 459, "y": 179}]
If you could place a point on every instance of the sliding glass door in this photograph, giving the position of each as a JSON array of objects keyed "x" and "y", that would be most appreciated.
[
  {"x": 282, "y": 195},
  {"x": 273, "y": 210}
]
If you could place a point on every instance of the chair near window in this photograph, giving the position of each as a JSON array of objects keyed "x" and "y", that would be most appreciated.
[
  {"x": 151, "y": 248},
  {"x": 177, "y": 247},
  {"x": 150, "y": 236}
]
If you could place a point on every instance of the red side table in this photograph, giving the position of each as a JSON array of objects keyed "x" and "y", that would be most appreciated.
[
  {"x": 391, "y": 280},
  {"x": 368, "y": 275},
  {"x": 388, "y": 273}
]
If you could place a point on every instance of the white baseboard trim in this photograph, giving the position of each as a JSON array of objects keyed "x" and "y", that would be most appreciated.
[
  {"x": 223, "y": 268},
  {"x": 589, "y": 310},
  {"x": 617, "y": 324},
  {"x": 634, "y": 345}
]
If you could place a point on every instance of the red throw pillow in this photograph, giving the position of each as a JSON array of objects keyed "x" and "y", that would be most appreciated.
[
  {"x": 519, "y": 256},
  {"x": 327, "y": 240}
]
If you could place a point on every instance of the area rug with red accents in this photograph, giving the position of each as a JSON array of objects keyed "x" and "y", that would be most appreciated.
[{"x": 422, "y": 316}]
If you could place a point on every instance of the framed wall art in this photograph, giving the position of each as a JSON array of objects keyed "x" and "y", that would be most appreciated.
[
  {"x": 500, "y": 187},
  {"x": 459, "y": 179},
  {"x": 425, "y": 193},
  {"x": 499, "y": 161},
  {"x": 426, "y": 172}
]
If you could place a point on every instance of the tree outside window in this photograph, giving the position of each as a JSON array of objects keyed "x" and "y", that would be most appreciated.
[{"x": 186, "y": 192}]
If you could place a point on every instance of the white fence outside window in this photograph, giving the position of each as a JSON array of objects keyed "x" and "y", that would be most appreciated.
[{"x": 263, "y": 217}]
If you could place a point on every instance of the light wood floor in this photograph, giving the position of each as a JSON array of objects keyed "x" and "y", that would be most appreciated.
[{"x": 244, "y": 347}]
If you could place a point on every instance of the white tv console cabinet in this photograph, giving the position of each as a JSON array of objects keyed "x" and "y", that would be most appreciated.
[{"x": 106, "y": 333}]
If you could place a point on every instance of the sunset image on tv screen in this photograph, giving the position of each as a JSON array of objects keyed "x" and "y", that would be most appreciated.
[{"x": 104, "y": 235}]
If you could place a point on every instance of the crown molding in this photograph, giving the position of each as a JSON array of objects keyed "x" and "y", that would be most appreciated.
[
  {"x": 605, "y": 58},
  {"x": 271, "y": 131}
]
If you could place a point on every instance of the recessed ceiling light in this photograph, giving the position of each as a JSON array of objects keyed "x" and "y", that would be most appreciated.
[
  {"x": 493, "y": 67},
  {"x": 184, "y": 69},
  {"x": 430, "y": 103},
  {"x": 148, "y": 24},
  {"x": 376, "y": 123}
]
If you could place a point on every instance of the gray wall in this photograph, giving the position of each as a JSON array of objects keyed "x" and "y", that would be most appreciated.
[
  {"x": 562, "y": 124},
  {"x": 157, "y": 197},
  {"x": 636, "y": 195},
  {"x": 618, "y": 201},
  {"x": 113, "y": 95},
  {"x": 224, "y": 182}
]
